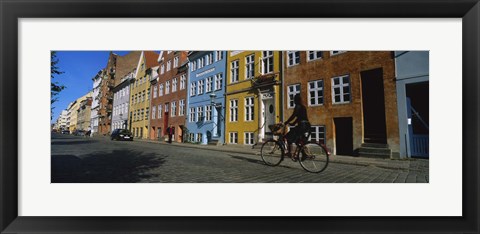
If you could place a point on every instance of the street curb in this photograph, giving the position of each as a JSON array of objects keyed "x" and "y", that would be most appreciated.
[{"x": 393, "y": 164}]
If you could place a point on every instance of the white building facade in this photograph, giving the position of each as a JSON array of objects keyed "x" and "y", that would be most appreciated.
[{"x": 97, "y": 81}]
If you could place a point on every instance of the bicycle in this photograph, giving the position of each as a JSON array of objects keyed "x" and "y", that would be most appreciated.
[{"x": 312, "y": 156}]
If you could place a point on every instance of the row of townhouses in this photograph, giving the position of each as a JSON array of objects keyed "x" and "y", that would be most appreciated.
[{"x": 367, "y": 103}]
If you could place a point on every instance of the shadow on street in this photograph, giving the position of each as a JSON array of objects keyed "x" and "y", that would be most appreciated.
[{"x": 119, "y": 166}]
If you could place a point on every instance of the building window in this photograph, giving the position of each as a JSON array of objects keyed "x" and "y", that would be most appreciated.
[
  {"x": 200, "y": 87},
  {"x": 315, "y": 93},
  {"x": 192, "y": 114},
  {"x": 209, "y": 59},
  {"x": 209, "y": 84},
  {"x": 142, "y": 112},
  {"x": 335, "y": 52},
  {"x": 318, "y": 134},
  {"x": 183, "y": 80},
  {"x": 148, "y": 94},
  {"x": 154, "y": 111},
  {"x": 175, "y": 62},
  {"x": 169, "y": 65},
  {"x": 233, "y": 137},
  {"x": 199, "y": 137},
  {"x": 314, "y": 55},
  {"x": 267, "y": 62},
  {"x": 173, "y": 113},
  {"x": 208, "y": 113},
  {"x": 219, "y": 55},
  {"x": 181, "y": 108},
  {"x": 162, "y": 69},
  {"x": 201, "y": 62},
  {"x": 174, "y": 85},
  {"x": 155, "y": 88},
  {"x": 293, "y": 58},
  {"x": 199, "y": 114},
  {"x": 248, "y": 139},
  {"x": 167, "y": 87},
  {"x": 160, "y": 92},
  {"x": 166, "y": 107},
  {"x": 234, "y": 71},
  {"x": 218, "y": 81},
  {"x": 194, "y": 65},
  {"x": 249, "y": 66},
  {"x": 249, "y": 109},
  {"x": 193, "y": 88},
  {"x": 160, "y": 113},
  {"x": 233, "y": 110},
  {"x": 292, "y": 90},
  {"x": 341, "y": 89},
  {"x": 147, "y": 113}
]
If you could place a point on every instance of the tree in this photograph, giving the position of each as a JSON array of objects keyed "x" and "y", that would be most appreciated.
[{"x": 55, "y": 88}]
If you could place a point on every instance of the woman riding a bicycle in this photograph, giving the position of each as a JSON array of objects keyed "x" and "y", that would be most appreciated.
[{"x": 301, "y": 122}]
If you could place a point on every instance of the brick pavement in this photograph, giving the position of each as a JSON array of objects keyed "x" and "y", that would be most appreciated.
[{"x": 101, "y": 160}]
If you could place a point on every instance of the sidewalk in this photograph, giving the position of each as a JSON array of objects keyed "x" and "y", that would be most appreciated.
[{"x": 401, "y": 164}]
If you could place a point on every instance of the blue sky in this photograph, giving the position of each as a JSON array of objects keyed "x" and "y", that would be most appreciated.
[{"x": 79, "y": 67}]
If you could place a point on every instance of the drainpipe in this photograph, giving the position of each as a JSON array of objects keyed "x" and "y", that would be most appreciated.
[
  {"x": 282, "y": 69},
  {"x": 224, "y": 106}
]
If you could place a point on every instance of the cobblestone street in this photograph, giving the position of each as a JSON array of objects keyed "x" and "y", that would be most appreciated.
[{"x": 99, "y": 160}]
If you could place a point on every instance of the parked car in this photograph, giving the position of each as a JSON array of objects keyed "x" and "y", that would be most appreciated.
[
  {"x": 121, "y": 134},
  {"x": 65, "y": 132}
]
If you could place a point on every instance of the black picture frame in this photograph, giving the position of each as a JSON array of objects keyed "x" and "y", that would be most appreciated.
[{"x": 11, "y": 11}]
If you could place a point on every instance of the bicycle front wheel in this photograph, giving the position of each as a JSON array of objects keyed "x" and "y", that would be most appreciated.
[
  {"x": 313, "y": 157},
  {"x": 271, "y": 153}
]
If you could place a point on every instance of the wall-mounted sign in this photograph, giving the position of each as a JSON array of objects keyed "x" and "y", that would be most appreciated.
[{"x": 205, "y": 72}]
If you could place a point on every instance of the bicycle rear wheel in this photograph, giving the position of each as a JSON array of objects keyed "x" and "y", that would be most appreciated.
[
  {"x": 272, "y": 153},
  {"x": 313, "y": 157}
]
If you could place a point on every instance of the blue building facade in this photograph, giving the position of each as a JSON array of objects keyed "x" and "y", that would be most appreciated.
[
  {"x": 205, "y": 97},
  {"x": 412, "y": 83}
]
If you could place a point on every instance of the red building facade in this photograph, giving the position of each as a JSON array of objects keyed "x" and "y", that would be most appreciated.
[
  {"x": 106, "y": 96},
  {"x": 168, "y": 96}
]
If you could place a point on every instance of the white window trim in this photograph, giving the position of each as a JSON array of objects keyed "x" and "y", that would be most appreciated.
[
  {"x": 248, "y": 64},
  {"x": 236, "y": 137},
  {"x": 338, "y": 52},
  {"x": 341, "y": 85},
  {"x": 252, "y": 107},
  {"x": 292, "y": 53},
  {"x": 245, "y": 138},
  {"x": 233, "y": 108},
  {"x": 234, "y": 70},
  {"x": 317, "y": 58},
  {"x": 295, "y": 92},
  {"x": 316, "y": 89}
]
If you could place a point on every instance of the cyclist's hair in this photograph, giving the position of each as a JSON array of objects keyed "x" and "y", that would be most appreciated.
[{"x": 297, "y": 99}]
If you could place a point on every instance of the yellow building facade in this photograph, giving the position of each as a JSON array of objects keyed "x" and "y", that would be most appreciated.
[
  {"x": 74, "y": 112},
  {"x": 253, "y": 95},
  {"x": 139, "y": 110}
]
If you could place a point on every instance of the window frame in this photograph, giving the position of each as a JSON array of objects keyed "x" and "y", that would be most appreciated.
[
  {"x": 341, "y": 86},
  {"x": 249, "y": 109},
  {"x": 250, "y": 66},
  {"x": 233, "y": 109},
  {"x": 316, "y": 89},
  {"x": 296, "y": 56},
  {"x": 290, "y": 99},
  {"x": 251, "y": 138},
  {"x": 234, "y": 70}
]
